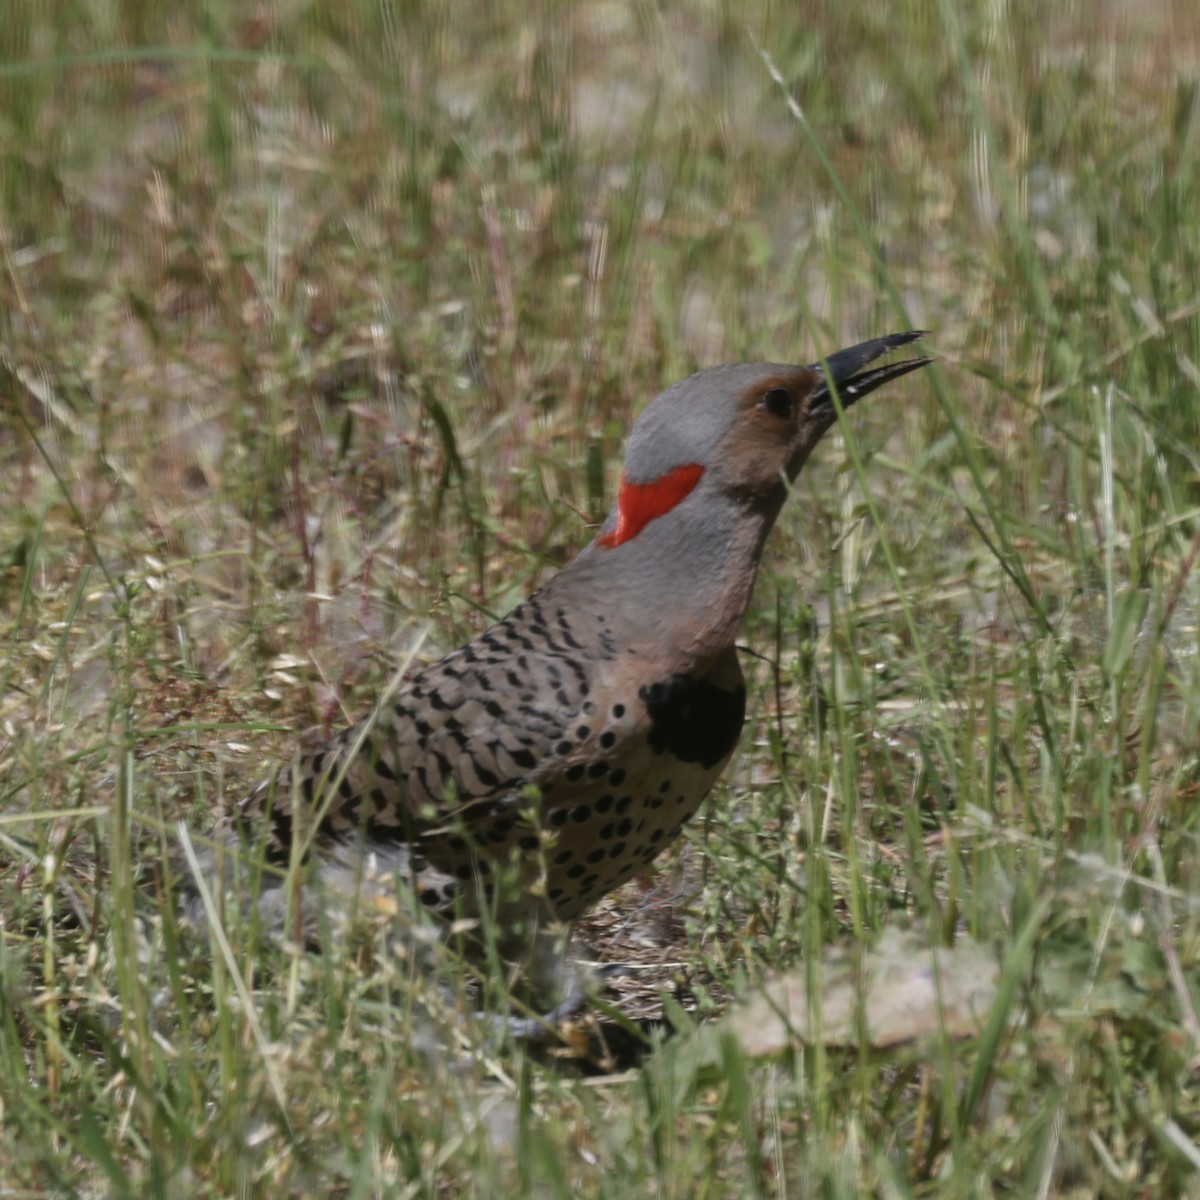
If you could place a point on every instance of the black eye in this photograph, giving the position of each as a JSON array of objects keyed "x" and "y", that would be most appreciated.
[{"x": 779, "y": 403}]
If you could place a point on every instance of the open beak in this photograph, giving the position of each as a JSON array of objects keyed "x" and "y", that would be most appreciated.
[{"x": 840, "y": 369}]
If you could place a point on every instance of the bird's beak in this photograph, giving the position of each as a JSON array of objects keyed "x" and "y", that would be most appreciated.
[{"x": 838, "y": 371}]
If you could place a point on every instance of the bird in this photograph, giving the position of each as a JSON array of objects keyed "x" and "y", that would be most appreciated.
[{"x": 562, "y": 750}]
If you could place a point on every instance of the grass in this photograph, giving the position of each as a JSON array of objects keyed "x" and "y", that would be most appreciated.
[{"x": 319, "y": 327}]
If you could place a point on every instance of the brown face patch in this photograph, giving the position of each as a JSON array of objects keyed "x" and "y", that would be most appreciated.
[{"x": 771, "y": 429}]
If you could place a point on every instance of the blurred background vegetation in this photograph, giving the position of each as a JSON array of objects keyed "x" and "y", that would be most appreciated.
[{"x": 319, "y": 322}]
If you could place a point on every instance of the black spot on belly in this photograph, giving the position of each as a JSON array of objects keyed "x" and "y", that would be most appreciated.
[{"x": 694, "y": 720}]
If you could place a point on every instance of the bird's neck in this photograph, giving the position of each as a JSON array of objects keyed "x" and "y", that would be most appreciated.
[{"x": 678, "y": 591}]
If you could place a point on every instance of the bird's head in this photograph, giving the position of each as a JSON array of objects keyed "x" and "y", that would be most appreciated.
[{"x": 741, "y": 431}]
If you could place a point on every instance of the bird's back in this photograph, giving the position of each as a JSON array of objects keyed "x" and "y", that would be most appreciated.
[{"x": 533, "y": 746}]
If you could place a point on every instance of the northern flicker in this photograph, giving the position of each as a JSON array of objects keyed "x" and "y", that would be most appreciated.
[{"x": 565, "y": 747}]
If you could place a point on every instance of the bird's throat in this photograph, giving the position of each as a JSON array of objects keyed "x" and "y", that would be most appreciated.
[{"x": 640, "y": 503}]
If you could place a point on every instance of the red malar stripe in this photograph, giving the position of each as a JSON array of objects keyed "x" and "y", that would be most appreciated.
[{"x": 640, "y": 503}]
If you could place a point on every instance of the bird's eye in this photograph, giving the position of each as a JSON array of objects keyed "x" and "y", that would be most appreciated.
[{"x": 779, "y": 403}]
